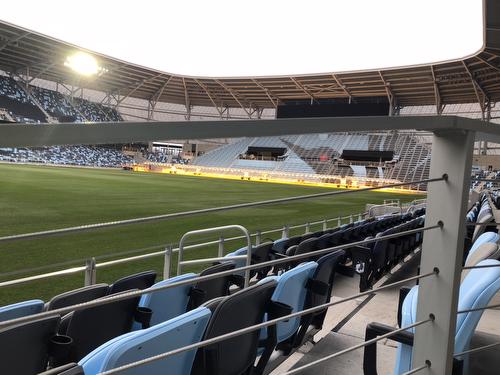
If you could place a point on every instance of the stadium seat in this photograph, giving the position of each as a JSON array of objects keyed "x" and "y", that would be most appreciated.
[
  {"x": 242, "y": 309},
  {"x": 477, "y": 289},
  {"x": 291, "y": 290},
  {"x": 73, "y": 297},
  {"x": 25, "y": 347},
  {"x": 167, "y": 303},
  {"x": 139, "y": 281},
  {"x": 93, "y": 326},
  {"x": 175, "y": 333},
  {"x": 206, "y": 290},
  {"x": 319, "y": 292},
  {"x": 260, "y": 253},
  {"x": 487, "y": 250},
  {"x": 20, "y": 309}
]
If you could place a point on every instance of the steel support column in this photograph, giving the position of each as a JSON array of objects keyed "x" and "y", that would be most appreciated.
[{"x": 446, "y": 202}]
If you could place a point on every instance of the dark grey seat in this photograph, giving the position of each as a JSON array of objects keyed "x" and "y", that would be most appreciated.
[{"x": 73, "y": 297}]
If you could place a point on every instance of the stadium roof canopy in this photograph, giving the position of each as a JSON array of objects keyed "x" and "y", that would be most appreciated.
[{"x": 470, "y": 79}]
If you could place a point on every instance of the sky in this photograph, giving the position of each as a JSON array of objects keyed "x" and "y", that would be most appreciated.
[{"x": 224, "y": 38}]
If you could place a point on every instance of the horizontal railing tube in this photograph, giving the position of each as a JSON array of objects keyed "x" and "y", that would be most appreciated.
[{"x": 176, "y": 215}]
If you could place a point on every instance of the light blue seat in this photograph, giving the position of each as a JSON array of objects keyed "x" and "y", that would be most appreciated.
[
  {"x": 291, "y": 290},
  {"x": 18, "y": 310},
  {"x": 238, "y": 262},
  {"x": 482, "y": 239},
  {"x": 175, "y": 333},
  {"x": 167, "y": 303},
  {"x": 477, "y": 289}
]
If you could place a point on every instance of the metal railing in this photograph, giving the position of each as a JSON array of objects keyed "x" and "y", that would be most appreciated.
[
  {"x": 91, "y": 265},
  {"x": 247, "y": 257},
  {"x": 132, "y": 294}
]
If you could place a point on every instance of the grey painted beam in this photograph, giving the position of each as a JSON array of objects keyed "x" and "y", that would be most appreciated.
[{"x": 18, "y": 135}]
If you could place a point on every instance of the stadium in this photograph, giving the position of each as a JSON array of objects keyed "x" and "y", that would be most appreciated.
[{"x": 230, "y": 223}]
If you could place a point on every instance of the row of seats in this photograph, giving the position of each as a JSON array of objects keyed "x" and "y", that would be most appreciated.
[
  {"x": 108, "y": 335},
  {"x": 82, "y": 334},
  {"x": 477, "y": 289},
  {"x": 371, "y": 261}
]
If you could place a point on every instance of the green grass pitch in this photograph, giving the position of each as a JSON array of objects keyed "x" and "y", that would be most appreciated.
[{"x": 35, "y": 198}]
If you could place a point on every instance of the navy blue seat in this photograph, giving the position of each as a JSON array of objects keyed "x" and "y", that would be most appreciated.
[
  {"x": 25, "y": 347},
  {"x": 319, "y": 292},
  {"x": 73, "y": 297},
  {"x": 93, "y": 326},
  {"x": 243, "y": 309},
  {"x": 206, "y": 290},
  {"x": 139, "y": 281}
]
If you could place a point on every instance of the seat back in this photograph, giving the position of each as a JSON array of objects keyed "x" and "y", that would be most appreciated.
[
  {"x": 93, "y": 326},
  {"x": 73, "y": 297},
  {"x": 487, "y": 237},
  {"x": 180, "y": 331},
  {"x": 167, "y": 303},
  {"x": 324, "y": 273},
  {"x": 242, "y": 309},
  {"x": 139, "y": 281},
  {"x": 25, "y": 347},
  {"x": 18, "y": 310},
  {"x": 292, "y": 290},
  {"x": 206, "y": 290},
  {"x": 477, "y": 289}
]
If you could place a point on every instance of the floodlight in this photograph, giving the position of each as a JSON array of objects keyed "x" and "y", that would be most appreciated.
[{"x": 83, "y": 63}]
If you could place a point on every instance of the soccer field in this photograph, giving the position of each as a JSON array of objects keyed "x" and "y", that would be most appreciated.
[{"x": 36, "y": 198}]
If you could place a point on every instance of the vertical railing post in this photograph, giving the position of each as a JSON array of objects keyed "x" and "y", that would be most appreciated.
[
  {"x": 90, "y": 272},
  {"x": 339, "y": 221},
  {"x": 443, "y": 248},
  {"x": 351, "y": 220},
  {"x": 286, "y": 231},
  {"x": 258, "y": 237},
  {"x": 221, "y": 247},
  {"x": 167, "y": 262},
  {"x": 308, "y": 228},
  {"x": 325, "y": 225}
]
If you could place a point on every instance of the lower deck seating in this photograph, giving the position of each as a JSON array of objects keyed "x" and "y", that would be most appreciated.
[{"x": 103, "y": 337}]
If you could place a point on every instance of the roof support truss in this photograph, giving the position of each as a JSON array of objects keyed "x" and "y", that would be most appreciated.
[
  {"x": 390, "y": 95},
  {"x": 437, "y": 94},
  {"x": 211, "y": 97},
  {"x": 235, "y": 97},
  {"x": 13, "y": 40},
  {"x": 268, "y": 93},
  {"x": 186, "y": 100},
  {"x": 343, "y": 87},
  {"x": 477, "y": 90},
  {"x": 301, "y": 86}
]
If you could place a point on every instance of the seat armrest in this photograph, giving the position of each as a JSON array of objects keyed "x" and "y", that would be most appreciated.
[{"x": 370, "y": 353}]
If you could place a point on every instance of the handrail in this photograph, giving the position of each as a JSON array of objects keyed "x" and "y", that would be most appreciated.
[
  {"x": 147, "y": 219},
  {"x": 186, "y": 235},
  {"x": 132, "y": 294}
]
